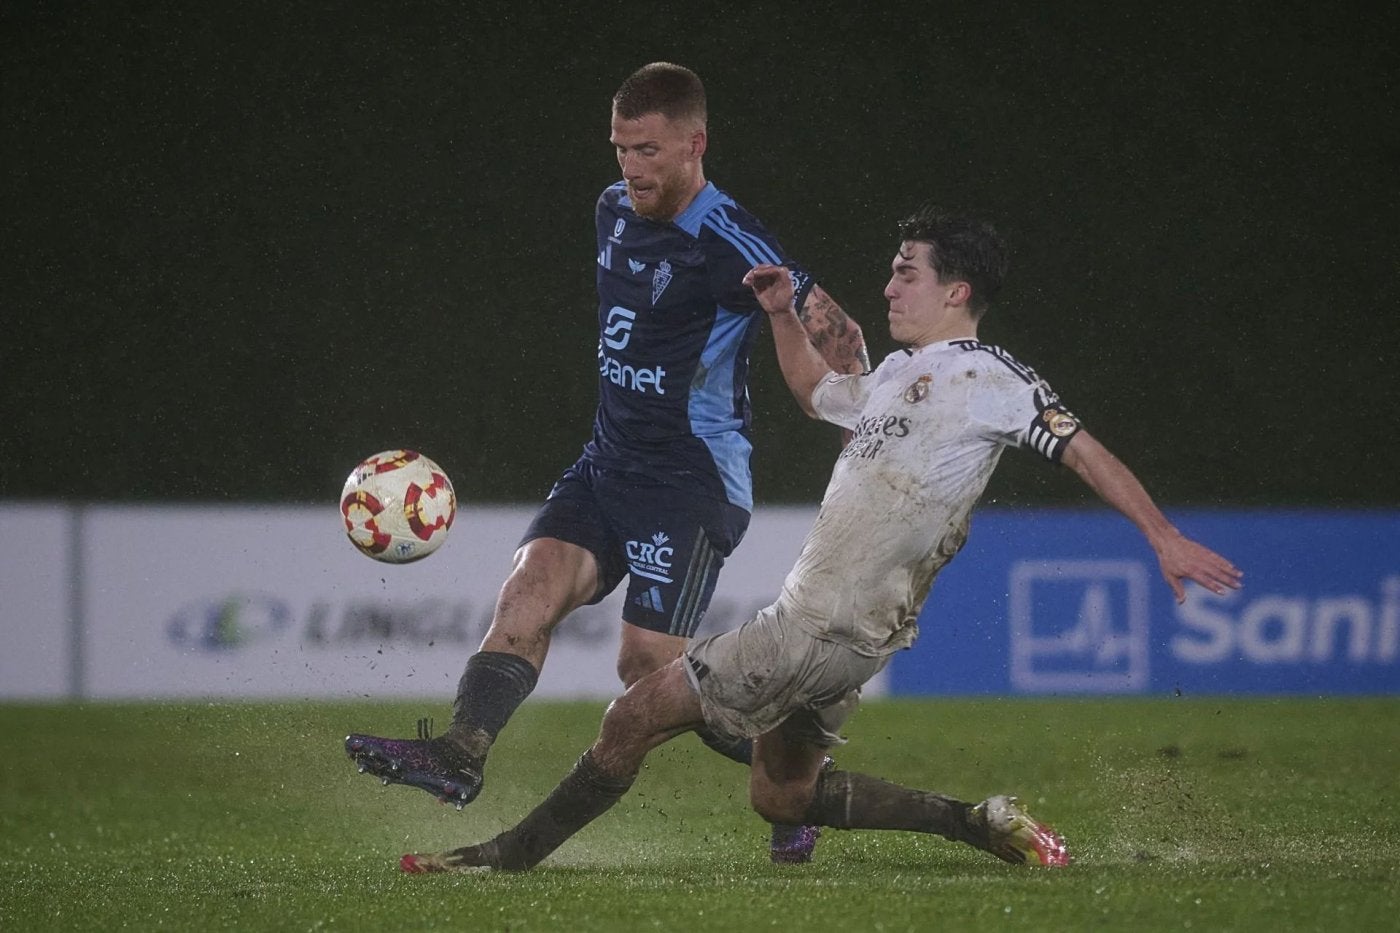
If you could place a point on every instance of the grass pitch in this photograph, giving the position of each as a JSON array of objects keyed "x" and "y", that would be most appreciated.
[{"x": 1181, "y": 814}]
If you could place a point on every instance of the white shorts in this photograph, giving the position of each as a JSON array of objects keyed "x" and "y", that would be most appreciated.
[{"x": 767, "y": 674}]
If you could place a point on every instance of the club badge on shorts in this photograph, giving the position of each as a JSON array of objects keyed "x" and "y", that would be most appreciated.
[{"x": 918, "y": 390}]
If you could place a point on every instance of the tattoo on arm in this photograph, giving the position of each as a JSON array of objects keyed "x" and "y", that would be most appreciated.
[{"x": 837, "y": 338}]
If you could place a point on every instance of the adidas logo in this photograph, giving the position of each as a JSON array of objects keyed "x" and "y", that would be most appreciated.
[{"x": 650, "y": 599}]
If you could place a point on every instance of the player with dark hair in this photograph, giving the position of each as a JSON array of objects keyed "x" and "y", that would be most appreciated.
[
  {"x": 663, "y": 491},
  {"x": 930, "y": 424}
]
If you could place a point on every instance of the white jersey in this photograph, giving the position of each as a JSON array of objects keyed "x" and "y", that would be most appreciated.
[{"x": 930, "y": 425}]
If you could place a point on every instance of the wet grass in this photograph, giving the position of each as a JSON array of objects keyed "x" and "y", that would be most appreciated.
[{"x": 1205, "y": 814}]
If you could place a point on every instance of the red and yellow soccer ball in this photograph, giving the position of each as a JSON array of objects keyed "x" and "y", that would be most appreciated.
[{"x": 398, "y": 506}]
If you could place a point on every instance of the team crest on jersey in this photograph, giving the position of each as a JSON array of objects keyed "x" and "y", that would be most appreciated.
[
  {"x": 659, "y": 280},
  {"x": 918, "y": 389}
]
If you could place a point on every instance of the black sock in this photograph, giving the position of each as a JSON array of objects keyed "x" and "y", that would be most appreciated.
[
  {"x": 585, "y": 794},
  {"x": 849, "y": 800},
  {"x": 492, "y": 687},
  {"x": 735, "y": 749}
]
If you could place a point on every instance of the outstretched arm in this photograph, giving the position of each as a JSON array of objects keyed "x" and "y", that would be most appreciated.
[
  {"x": 1180, "y": 557},
  {"x": 802, "y": 366},
  {"x": 837, "y": 338}
]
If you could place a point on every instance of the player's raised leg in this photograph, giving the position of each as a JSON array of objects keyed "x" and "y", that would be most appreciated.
[
  {"x": 656, "y": 708},
  {"x": 550, "y": 579}
]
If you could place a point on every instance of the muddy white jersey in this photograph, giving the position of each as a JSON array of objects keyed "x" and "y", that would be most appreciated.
[{"x": 929, "y": 426}]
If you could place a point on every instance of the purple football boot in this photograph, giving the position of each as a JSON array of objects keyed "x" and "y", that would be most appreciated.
[
  {"x": 792, "y": 845},
  {"x": 434, "y": 765}
]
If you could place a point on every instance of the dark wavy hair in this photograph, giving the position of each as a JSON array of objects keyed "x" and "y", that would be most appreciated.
[
  {"x": 961, "y": 249},
  {"x": 661, "y": 87}
]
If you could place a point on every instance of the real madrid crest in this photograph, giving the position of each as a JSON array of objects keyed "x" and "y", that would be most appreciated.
[
  {"x": 918, "y": 390},
  {"x": 1060, "y": 423}
]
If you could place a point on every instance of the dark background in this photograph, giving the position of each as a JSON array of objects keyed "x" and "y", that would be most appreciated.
[{"x": 247, "y": 244}]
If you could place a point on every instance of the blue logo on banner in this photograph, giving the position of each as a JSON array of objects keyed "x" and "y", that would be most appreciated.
[{"x": 227, "y": 623}]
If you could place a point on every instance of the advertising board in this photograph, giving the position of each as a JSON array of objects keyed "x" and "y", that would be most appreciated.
[{"x": 1070, "y": 602}]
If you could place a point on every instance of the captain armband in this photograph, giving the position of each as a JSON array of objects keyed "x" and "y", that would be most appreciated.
[{"x": 1051, "y": 431}]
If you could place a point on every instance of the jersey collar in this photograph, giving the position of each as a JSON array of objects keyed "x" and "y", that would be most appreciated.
[{"x": 704, "y": 202}]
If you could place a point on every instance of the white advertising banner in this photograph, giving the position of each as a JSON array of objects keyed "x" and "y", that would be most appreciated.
[
  {"x": 275, "y": 602},
  {"x": 36, "y": 601}
]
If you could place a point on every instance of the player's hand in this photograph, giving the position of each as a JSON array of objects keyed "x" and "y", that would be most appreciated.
[
  {"x": 1183, "y": 559},
  {"x": 772, "y": 286}
]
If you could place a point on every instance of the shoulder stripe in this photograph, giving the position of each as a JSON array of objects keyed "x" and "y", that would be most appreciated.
[
  {"x": 1013, "y": 364},
  {"x": 752, "y": 247},
  {"x": 760, "y": 247}
]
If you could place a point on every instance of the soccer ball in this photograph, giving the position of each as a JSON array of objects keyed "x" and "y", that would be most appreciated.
[{"x": 398, "y": 506}]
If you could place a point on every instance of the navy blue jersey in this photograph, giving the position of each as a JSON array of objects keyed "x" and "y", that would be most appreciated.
[{"x": 675, "y": 324}]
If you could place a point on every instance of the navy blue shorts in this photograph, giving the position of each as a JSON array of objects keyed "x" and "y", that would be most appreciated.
[{"x": 671, "y": 544}]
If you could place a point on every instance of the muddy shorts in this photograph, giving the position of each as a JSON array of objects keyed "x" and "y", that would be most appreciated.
[{"x": 767, "y": 673}]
